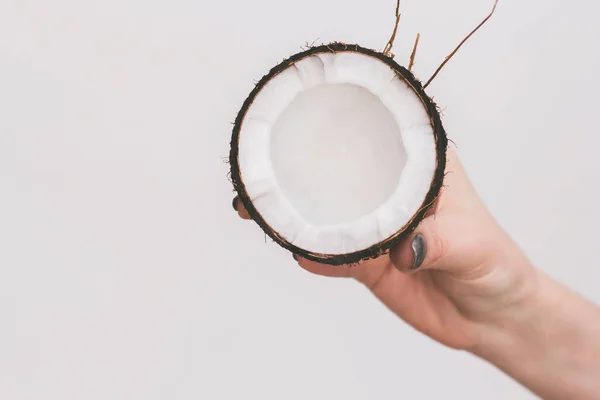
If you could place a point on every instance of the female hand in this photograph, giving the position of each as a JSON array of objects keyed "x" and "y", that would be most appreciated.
[
  {"x": 451, "y": 277},
  {"x": 462, "y": 281}
]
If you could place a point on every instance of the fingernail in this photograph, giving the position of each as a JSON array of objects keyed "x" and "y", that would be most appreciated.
[
  {"x": 419, "y": 247},
  {"x": 234, "y": 203},
  {"x": 295, "y": 256}
]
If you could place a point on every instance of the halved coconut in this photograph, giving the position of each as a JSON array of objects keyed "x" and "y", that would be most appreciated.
[{"x": 338, "y": 153}]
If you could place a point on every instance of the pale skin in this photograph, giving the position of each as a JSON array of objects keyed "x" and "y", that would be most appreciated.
[{"x": 476, "y": 291}]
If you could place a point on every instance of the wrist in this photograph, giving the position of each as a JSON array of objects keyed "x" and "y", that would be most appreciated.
[
  {"x": 548, "y": 342},
  {"x": 506, "y": 333},
  {"x": 513, "y": 288}
]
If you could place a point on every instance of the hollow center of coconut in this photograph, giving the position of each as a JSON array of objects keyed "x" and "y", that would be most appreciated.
[{"x": 336, "y": 152}]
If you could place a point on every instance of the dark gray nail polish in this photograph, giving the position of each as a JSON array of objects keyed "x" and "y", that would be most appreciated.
[
  {"x": 295, "y": 256},
  {"x": 419, "y": 247},
  {"x": 234, "y": 203}
]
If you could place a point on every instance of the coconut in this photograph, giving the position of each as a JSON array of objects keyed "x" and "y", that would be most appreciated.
[{"x": 338, "y": 153}]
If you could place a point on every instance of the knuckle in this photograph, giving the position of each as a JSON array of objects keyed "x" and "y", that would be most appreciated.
[{"x": 437, "y": 249}]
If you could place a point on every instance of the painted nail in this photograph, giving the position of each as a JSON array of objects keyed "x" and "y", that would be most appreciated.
[
  {"x": 419, "y": 247},
  {"x": 295, "y": 256},
  {"x": 234, "y": 203}
]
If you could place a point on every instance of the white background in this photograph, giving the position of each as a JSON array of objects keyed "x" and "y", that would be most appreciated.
[{"x": 124, "y": 272}]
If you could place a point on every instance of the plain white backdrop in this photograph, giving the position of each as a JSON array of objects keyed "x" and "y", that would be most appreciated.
[{"x": 124, "y": 272}]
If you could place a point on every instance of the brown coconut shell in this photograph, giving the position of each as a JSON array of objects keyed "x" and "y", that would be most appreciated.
[{"x": 436, "y": 184}]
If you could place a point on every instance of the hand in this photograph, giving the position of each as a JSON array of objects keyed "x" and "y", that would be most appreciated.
[
  {"x": 462, "y": 281},
  {"x": 457, "y": 273}
]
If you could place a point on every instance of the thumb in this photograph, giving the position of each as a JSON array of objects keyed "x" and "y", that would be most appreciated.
[{"x": 424, "y": 249}]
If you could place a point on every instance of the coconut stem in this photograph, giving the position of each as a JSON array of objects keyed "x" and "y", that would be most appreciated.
[
  {"x": 437, "y": 71},
  {"x": 414, "y": 52},
  {"x": 388, "y": 47}
]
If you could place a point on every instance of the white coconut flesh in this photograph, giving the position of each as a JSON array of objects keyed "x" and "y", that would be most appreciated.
[{"x": 337, "y": 153}]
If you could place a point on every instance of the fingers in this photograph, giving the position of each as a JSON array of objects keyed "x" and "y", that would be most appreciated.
[
  {"x": 239, "y": 207},
  {"x": 369, "y": 272},
  {"x": 449, "y": 223},
  {"x": 310, "y": 266},
  {"x": 424, "y": 249},
  {"x": 324, "y": 269}
]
